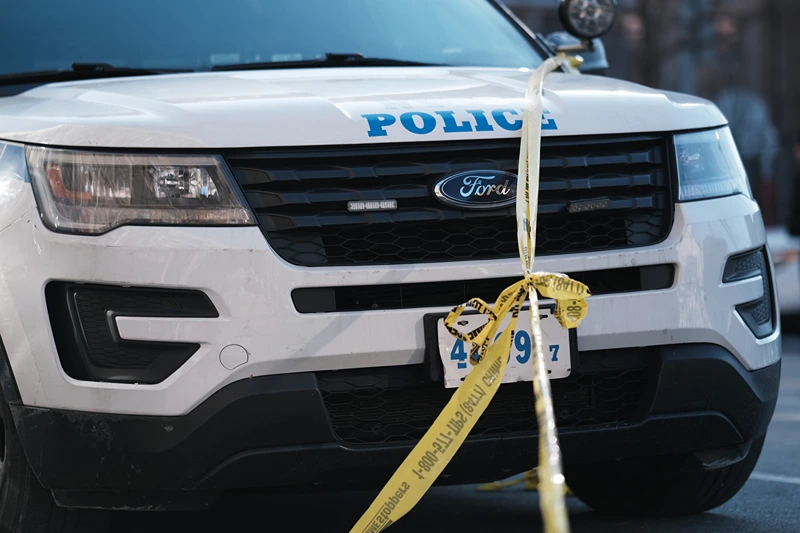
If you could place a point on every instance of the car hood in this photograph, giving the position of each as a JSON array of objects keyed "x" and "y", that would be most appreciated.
[{"x": 266, "y": 108}]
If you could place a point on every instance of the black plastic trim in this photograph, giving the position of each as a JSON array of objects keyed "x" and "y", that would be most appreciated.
[
  {"x": 747, "y": 398},
  {"x": 747, "y": 312},
  {"x": 78, "y": 354},
  {"x": 756, "y": 264},
  {"x": 273, "y": 431},
  {"x": 452, "y": 293},
  {"x": 730, "y": 274},
  {"x": 146, "y": 452}
]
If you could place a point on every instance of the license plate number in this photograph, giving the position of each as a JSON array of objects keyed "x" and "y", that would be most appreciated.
[{"x": 556, "y": 342}]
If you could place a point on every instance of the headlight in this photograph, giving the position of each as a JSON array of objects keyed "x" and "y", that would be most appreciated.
[
  {"x": 92, "y": 192},
  {"x": 709, "y": 165}
]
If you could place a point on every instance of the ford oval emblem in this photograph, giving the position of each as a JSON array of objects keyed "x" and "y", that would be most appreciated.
[{"x": 478, "y": 189}]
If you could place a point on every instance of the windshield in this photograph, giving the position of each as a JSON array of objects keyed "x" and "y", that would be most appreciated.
[{"x": 200, "y": 34}]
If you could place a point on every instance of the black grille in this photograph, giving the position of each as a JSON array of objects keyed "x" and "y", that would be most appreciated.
[
  {"x": 399, "y": 404},
  {"x": 103, "y": 349},
  {"x": 452, "y": 293},
  {"x": 300, "y": 198}
]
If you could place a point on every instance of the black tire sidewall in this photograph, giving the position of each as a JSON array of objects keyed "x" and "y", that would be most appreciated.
[{"x": 651, "y": 488}]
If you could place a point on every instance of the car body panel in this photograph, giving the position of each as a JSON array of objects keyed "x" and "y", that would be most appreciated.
[{"x": 313, "y": 107}]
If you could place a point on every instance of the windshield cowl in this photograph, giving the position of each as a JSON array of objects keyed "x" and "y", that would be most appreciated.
[
  {"x": 330, "y": 60},
  {"x": 82, "y": 71}
]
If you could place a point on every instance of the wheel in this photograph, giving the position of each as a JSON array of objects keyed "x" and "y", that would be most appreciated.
[
  {"x": 26, "y": 506},
  {"x": 651, "y": 489}
]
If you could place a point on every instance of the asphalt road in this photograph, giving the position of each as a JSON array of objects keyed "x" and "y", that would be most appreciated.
[{"x": 768, "y": 502}]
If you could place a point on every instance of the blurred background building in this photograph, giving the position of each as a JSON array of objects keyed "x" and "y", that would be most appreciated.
[{"x": 738, "y": 53}]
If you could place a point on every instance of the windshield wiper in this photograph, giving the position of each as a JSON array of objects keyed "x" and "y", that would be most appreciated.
[
  {"x": 330, "y": 60},
  {"x": 83, "y": 71}
]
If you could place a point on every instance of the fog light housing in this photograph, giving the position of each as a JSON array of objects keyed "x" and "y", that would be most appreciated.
[
  {"x": 83, "y": 320},
  {"x": 758, "y": 315}
]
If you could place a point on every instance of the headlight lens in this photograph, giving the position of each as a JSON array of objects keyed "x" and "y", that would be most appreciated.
[
  {"x": 94, "y": 192},
  {"x": 709, "y": 165}
]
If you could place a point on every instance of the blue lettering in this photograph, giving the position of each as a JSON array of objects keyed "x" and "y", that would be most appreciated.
[
  {"x": 554, "y": 350},
  {"x": 459, "y": 354},
  {"x": 548, "y": 123},
  {"x": 450, "y": 124},
  {"x": 378, "y": 122},
  {"x": 523, "y": 343},
  {"x": 499, "y": 116},
  {"x": 428, "y": 122},
  {"x": 481, "y": 123}
]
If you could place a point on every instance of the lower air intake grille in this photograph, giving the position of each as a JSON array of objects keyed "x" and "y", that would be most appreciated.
[
  {"x": 399, "y": 404},
  {"x": 83, "y": 318}
]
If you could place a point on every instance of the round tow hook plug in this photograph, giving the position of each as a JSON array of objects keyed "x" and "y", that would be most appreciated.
[{"x": 233, "y": 356}]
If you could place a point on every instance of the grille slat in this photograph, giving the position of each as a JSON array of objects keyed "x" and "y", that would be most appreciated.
[
  {"x": 299, "y": 204},
  {"x": 310, "y": 218},
  {"x": 300, "y": 199},
  {"x": 399, "y": 404},
  {"x": 451, "y": 293}
]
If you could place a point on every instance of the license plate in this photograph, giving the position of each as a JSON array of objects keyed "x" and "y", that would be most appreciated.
[{"x": 556, "y": 342}]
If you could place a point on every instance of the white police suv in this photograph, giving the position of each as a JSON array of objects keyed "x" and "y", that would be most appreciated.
[{"x": 229, "y": 232}]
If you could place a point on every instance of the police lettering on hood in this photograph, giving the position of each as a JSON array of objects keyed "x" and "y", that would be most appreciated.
[{"x": 475, "y": 120}]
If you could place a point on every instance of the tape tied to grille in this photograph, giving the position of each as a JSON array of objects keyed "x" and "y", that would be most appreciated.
[{"x": 489, "y": 357}]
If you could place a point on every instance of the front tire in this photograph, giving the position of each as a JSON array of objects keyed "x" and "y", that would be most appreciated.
[
  {"x": 636, "y": 489},
  {"x": 25, "y": 505}
]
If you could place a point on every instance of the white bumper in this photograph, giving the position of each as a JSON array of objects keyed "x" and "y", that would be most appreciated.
[{"x": 251, "y": 288}]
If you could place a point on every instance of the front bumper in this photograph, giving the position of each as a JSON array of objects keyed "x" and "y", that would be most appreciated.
[
  {"x": 277, "y": 431},
  {"x": 251, "y": 289}
]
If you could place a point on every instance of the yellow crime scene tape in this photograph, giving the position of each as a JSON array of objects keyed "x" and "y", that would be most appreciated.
[
  {"x": 529, "y": 481},
  {"x": 489, "y": 356}
]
